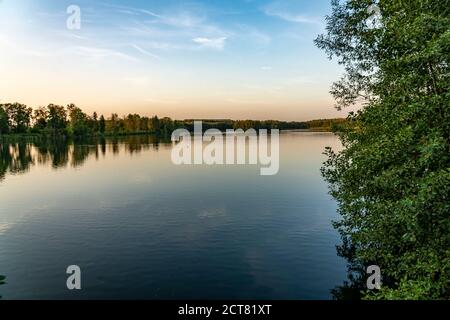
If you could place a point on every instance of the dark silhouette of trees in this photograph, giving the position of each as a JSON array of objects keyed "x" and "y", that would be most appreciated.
[
  {"x": 155, "y": 125},
  {"x": 57, "y": 119},
  {"x": 19, "y": 117},
  {"x": 4, "y": 123},
  {"x": 102, "y": 125},
  {"x": 94, "y": 122},
  {"x": 40, "y": 117}
]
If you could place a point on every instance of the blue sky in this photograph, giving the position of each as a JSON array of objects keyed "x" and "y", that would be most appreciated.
[{"x": 184, "y": 59}]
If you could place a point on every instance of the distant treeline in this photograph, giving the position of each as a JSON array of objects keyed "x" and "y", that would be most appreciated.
[
  {"x": 316, "y": 125},
  {"x": 17, "y": 118}
]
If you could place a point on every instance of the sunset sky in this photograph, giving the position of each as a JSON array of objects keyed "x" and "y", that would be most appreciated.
[{"x": 183, "y": 59}]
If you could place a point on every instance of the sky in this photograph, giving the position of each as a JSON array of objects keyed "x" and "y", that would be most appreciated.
[{"x": 234, "y": 59}]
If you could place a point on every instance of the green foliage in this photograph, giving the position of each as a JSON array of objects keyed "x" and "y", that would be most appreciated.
[
  {"x": 78, "y": 121},
  {"x": 57, "y": 119},
  {"x": 326, "y": 124},
  {"x": 102, "y": 125},
  {"x": 93, "y": 122},
  {"x": 392, "y": 179},
  {"x": 4, "y": 121},
  {"x": 40, "y": 117},
  {"x": 18, "y": 116}
]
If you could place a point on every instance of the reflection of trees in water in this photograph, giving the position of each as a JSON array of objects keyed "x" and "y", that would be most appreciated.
[
  {"x": 355, "y": 284},
  {"x": 14, "y": 158},
  {"x": 2, "y": 281},
  {"x": 103, "y": 145},
  {"x": 19, "y": 156},
  {"x": 136, "y": 144},
  {"x": 54, "y": 151},
  {"x": 355, "y": 287}
]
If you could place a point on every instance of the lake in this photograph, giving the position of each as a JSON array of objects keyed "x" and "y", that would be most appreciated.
[{"x": 141, "y": 227}]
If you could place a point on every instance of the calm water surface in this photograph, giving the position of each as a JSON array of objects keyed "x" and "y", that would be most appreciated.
[{"x": 141, "y": 227}]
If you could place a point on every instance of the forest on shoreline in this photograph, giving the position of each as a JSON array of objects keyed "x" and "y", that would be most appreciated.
[{"x": 72, "y": 121}]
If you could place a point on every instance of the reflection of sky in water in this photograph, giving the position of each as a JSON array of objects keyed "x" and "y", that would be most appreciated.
[
  {"x": 141, "y": 227},
  {"x": 5, "y": 227}
]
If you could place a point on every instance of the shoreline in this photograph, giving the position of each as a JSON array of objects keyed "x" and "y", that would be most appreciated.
[{"x": 125, "y": 134}]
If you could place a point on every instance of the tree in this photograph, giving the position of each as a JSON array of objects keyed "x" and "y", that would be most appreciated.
[
  {"x": 4, "y": 121},
  {"x": 78, "y": 121},
  {"x": 165, "y": 126},
  {"x": 114, "y": 123},
  {"x": 19, "y": 116},
  {"x": 144, "y": 124},
  {"x": 102, "y": 125},
  {"x": 392, "y": 179},
  {"x": 94, "y": 126},
  {"x": 132, "y": 123},
  {"x": 40, "y": 117},
  {"x": 155, "y": 124},
  {"x": 57, "y": 118}
]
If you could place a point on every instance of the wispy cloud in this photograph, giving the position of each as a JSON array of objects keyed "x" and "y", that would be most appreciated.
[
  {"x": 125, "y": 11},
  {"x": 101, "y": 53},
  {"x": 214, "y": 43},
  {"x": 150, "y": 13},
  {"x": 15, "y": 47},
  {"x": 182, "y": 19},
  {"x": 70, "y": 35},
  {"x": 247, "y": 32},
  {"x": 144, "y": 52},
  {"x": 280, "y": 11},
  {"x": 177, "y": 29}
]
